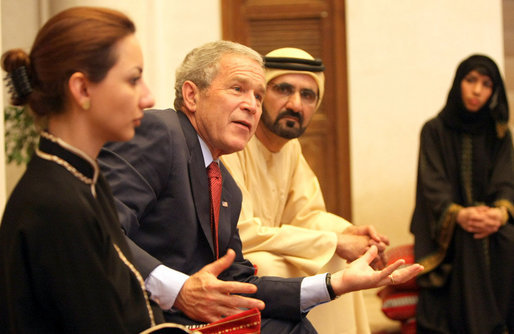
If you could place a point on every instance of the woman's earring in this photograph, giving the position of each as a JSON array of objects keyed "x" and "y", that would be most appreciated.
[{"x": 86, "y": 104}]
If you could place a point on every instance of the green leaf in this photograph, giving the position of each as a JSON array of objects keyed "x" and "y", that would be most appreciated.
[{"x": 21, "y": 136}]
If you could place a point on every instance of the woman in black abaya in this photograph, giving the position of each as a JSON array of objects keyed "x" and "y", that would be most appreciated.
[{"x": 463, "y": 220}]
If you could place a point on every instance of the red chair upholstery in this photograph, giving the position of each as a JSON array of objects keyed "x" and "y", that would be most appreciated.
[{"x": 399, "y": 301}]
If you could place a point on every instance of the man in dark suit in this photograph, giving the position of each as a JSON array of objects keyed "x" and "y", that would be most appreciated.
[{"x": 161, "y": 186}]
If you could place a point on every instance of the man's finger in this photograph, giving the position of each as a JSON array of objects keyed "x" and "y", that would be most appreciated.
[
  {"x": 392, "y": 267},
  {"x": 218, "y": 266},
  {"x": 241, "y": 302},
  {"x": 233, "y": 287},
  {"x": 384, "y": 239},
  {"x": 406, "y": 273},
  {"x": 370, "y": 254}
]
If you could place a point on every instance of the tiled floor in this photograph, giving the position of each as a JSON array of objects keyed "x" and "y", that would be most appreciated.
[{"x": 378, "y": 322}]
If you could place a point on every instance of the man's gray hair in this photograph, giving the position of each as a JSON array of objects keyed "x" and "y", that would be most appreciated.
[{"x": 201, "y": 65}]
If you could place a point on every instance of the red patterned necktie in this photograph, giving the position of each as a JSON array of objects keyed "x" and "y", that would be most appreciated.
[{"x": 214, "y": 173}]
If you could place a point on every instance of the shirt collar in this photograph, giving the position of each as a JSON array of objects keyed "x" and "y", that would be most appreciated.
[{"x": 207, "y": 155}]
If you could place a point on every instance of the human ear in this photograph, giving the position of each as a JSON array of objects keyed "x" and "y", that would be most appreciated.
[
  {"x": 190, "y": 95},
  {"x": 79, "y": 95}
]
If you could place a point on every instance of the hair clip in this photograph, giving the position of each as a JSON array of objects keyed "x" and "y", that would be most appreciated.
[{"x": 18, "y": 83}]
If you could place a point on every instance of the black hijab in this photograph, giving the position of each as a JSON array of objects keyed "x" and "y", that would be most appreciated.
[{"x": 495, "y": 112}]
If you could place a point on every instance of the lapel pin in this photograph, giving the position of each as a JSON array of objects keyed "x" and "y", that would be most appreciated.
[{"x": 224, "y": 204}]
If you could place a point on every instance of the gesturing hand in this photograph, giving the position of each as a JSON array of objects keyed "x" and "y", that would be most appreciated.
[
  {"x": 360, "y": 275},
  {"x": 205, "y": 298}
]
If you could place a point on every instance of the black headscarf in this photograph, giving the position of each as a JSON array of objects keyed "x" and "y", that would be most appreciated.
[{"x": 495, "y": 112}]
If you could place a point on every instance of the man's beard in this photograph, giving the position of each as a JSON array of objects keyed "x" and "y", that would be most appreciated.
[{"x": 288, "y": 130}]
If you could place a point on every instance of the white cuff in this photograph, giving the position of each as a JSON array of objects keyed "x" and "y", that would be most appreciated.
[
  {"x": 313, "y": 292},
  {"x": 164, "y": 284}
]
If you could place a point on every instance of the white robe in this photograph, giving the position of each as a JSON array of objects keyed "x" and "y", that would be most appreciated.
[{"x": 286, "y": 230}]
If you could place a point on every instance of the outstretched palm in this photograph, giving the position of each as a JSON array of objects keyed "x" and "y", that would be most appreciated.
[{"x": 359, "y": 275}]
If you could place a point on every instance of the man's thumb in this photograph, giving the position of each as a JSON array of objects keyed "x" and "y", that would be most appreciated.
[
  {"x": 218, "y": 266},
  {"x": 370, "y": 254}
]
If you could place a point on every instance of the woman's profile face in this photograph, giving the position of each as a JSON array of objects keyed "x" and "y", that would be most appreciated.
[
  {"x": 476, "y": 89},
  {"x": 117, "y": 102}
]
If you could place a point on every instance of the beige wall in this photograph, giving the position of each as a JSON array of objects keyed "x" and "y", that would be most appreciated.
[
  {"x": 402, "y": 55},
  {"x": 167, "y": 30}
]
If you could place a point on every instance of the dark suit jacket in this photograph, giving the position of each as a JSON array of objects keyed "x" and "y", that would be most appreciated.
[{"x": 161, "y": 187}]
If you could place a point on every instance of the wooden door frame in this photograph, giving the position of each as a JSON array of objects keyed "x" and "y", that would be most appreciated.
[{"x": 235, "y": 29}]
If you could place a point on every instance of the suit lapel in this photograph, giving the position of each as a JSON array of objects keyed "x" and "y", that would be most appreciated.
[{"x": 198, "y": 178}]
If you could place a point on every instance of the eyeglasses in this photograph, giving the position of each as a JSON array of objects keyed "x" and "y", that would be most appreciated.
[{"x": 308, "y": 96}]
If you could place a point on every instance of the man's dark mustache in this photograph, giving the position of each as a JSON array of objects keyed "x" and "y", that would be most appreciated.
[{"x": 290, "y": 113}]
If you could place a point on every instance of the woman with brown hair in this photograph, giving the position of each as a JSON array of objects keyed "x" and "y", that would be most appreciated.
[{"x": 65, "y": 265}]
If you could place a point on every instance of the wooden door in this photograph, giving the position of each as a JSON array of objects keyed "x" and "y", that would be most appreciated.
[{"x": 318, "y": 27}]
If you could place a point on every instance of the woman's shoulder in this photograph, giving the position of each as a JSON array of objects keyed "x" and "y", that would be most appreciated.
[
  {"x": 433, "y": 125},
  {"x": 434, "y": 122},
  {"x": 47, "y": 192}
]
